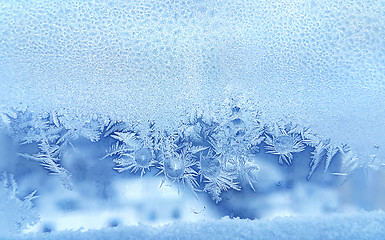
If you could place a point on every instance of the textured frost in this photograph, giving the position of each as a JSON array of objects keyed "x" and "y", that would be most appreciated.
[
  {"x": 219, "y": 80},
  {"x": 321, "y": 62},
  {"x": 15, "y": 214},
  {"x": 361, "y": 225}
]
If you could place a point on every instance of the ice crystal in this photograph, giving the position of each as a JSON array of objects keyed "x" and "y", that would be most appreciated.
[
  {"x": 48, "y": 157},
  {"x": 216, "y": 178},
  {"x": 208, "y": 151},
  {"x": 349, "y": 161},
  {"x": 135, "y": 151},
  {"x": 284, "y": 144},
  {"x": 137, "y": 160},
  {"x": 177, "y": 166},
  {"x": 46, "y": 131},
  {"x": 15, "y": 214}
]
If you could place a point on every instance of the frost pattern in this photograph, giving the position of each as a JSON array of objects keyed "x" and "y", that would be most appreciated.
[
  {"x": 211, "y": 151},
  {"x": 284, "y": 144},
  {"x": 51, "y": 136},
  {"x": 15, "y": 214}
]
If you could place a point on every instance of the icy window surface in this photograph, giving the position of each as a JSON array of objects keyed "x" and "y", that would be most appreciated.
[
  {"x": 213, "y": 100},
  {"x": 321, "y": 62}
]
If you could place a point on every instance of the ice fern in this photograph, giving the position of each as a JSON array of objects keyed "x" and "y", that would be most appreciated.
[
  {"x": 51, "y": 136},
  {"x": 213, "y": 173},
  {"x": 283, "y": 142},
  {"x": 136, "y": 149},
  {"x": 15, "y": 214},
  {"x": 48, "y": 157},
  {"x": 212, "y": 150},
  {"x": 322, "y": 150}
]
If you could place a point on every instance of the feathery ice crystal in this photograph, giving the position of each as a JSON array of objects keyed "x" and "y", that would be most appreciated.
[
  {"x": 211, "y": 151},
  {"x": 284, "y": 144}
]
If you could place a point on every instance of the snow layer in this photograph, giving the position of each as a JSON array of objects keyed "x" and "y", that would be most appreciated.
[
  {"x": 363, "y": 225},
  {"x": 320, "y": 62}
]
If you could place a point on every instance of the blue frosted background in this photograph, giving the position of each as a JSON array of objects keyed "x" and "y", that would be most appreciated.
[{"x": 320, "y": 64}]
